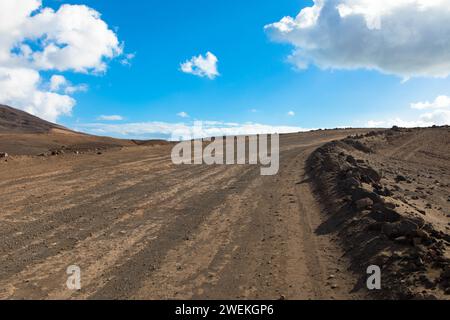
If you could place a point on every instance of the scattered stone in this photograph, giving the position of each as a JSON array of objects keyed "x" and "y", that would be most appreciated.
[
  {"x": 360, "y": 193},
  {"x": 402, "y": 240},
  {"x": 364, "y": 203},
  {"x": 351, "y": 160},
  {"x": 351, "y": 183},
  {"x": 3, "y": 155},
  {"x": 400, "y": 178},
  {"x": 400, "y": 228}
]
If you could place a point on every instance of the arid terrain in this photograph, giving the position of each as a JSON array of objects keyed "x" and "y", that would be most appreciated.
[
  {"x": 387, "y": 194},
  {"x": 140, "y": 227}
]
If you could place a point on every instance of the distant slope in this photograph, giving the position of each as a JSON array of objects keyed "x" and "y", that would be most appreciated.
[
  {"x": 24, "y": 134},
  {"x": 17, "y": 121}
]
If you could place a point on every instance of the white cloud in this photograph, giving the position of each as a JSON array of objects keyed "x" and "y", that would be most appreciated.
[
  {"x": 291, "y": 113},
  {"x": 60, "y": 83},
  {"x": 440, "y": 102},
  {"x": 20, "y": 87},
  {"x": 200, "y": 129},
  {"x": 74, "y": 89},
  {"x": 56, "y": 82},
  {"x": 76, "y": 38},
  {"x": 110, "y": 118},
  {"x": 34, "y": 38},
  {"x": 439, "y": 116},
  {"x": 183, "y": 114},
  {"x": 127, "y": 59},
  {"x": 202, "y": 66},
  {"x": 407, "y": 38}
]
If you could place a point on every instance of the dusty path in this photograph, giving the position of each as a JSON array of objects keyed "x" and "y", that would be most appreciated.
[{"x": 142, "y": 228}]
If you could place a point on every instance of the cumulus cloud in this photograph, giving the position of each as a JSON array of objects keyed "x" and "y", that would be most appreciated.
[
  {"x": 110, "y": 118},
  {"x": 34, "y": 38},
  {"x": 21, "y": 87},
  {"x": 407, "y": 38},
  {"x": 185, "y": 131},
  {"x": 438, "y": 115},
  {"x": 441, "y": 102},
  {"x": 291, "y": 113},
  {"x": 202, "y": 66},
  {"x": 56, "y": 82}
]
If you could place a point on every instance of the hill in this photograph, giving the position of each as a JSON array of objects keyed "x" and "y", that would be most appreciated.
[{"x": 24, "y": 134}]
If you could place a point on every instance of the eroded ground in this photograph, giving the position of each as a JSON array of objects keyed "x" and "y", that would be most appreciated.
[{"x": 140, "y": 227}]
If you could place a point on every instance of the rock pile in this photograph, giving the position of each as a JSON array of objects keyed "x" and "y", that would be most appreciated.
[{"x": 371, "y": 228}]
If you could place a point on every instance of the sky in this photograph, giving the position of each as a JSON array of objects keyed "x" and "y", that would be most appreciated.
[{"x": 147, "y": 69}]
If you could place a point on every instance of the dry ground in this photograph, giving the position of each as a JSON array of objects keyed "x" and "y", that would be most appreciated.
[
  {"x": 388, "y": 196},
  {"x": 142, "y": 228}
]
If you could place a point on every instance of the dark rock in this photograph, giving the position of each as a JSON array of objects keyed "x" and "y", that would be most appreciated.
[
  {"x": 358, "y": 145},
  {"x": 401, "y": 228},
  {"x": 359, "y": 194},
  {"x": 351, "y": 160},
  {"x": 402, "y": 240},
  {"x": 426, "y": 281},
  {"x": 377, "y": 226},
  {"x": 446, "y": 273},
  {"x": 363, "y": 203},
  {"x": 386, "y": 192},
  {"x": 422, "y": 234},
  {"x": 369, "y": 175},
  {"x": 382, "y": 214},
  {"x": 422, "y": 212},
  {"x": 351, "y": 183}
]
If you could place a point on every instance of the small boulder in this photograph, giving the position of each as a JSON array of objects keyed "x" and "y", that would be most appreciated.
[
  {"x": 364, "y": 203},
  {"x": 3, "y": 155},
  {"x": 360, "y": 193},
  {"x": 383, "y": 214},
  {"x": 369, "y": 175},
  {"x": 351, "y": 183},
  {"x": 401, "y": 228},
  {"x": 351, "y": 160}
]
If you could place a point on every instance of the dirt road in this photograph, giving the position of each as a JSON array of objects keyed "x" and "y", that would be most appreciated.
[{"x": 140, "y": 227}]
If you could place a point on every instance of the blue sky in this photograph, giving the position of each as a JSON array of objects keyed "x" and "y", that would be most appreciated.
[{"x": 257, "y": 83}]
